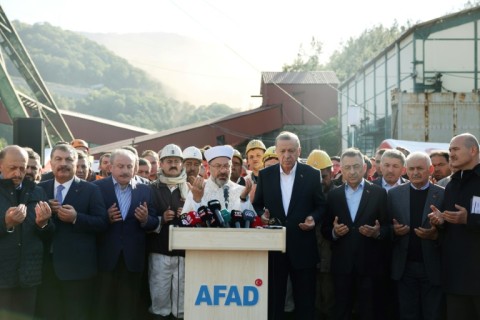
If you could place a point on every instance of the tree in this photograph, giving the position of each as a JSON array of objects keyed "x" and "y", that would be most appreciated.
[{"x": 307, "y": 60}]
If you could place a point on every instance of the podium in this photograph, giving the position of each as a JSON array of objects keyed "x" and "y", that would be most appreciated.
[{"x": 226, "y": 270}]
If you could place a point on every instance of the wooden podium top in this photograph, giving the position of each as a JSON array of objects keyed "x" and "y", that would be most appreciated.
[{"x": 227, "y": 239}]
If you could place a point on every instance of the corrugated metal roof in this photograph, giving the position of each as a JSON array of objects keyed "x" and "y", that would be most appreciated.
[
  {"x": 455, "y": 15},
  {"x": 307, "y": 77},
  {"x": 107, "y": 122}
]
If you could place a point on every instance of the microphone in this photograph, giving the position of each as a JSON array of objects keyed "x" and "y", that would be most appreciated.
[
  {"x": 226, "y": 217},
  {"x": 237, "y": 218},
  {"x": 215, "y": 206},
  {"x": 257, "y": 222},
  {"x": 197, "y": 221},
  {"x": 226, "y": 195},
  {"x": 205, "y": 216},
  {"x": 184, "y": 220},
  {"x": 248, "y": 215}
]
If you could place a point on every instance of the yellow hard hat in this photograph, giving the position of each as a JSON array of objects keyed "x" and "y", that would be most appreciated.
[
  {"x": 255, "y": 144},
  {"x": 319, "y": 159},
  {"x": 269, "y": 153}
]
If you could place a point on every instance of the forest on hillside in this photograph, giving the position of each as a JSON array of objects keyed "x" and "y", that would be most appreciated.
[{"x": 117, "y": 90}]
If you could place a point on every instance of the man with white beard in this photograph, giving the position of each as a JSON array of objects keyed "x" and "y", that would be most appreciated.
[{"x": 218, "y": 186}]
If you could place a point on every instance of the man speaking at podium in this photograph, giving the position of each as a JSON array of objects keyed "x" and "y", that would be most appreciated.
[
  {"x": 291, "y": 194},
  {"x": 218, "y": 186}
]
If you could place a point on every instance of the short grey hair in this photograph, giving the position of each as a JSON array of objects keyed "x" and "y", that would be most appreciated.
[
  {"x": 352, "y": 152},
  {"x": 123, "y": 152},
  {"x": 395, "y": 154},
  {"x": 419, "y": 155},
  {"x": 287, "y": 135}
]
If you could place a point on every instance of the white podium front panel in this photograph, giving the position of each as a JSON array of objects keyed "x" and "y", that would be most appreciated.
[{"x": 226, "y": 285}]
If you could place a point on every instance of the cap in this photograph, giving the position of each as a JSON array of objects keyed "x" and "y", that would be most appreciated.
[
  {"x": 319, "y": 159},
  {"x": 171, "y": 150},
  {"x": 269, "y": 153},
  {"x": 237, "y": 154},
  {"x": 218, "y": 151},
  {"x": 255, "y": 144},
  {"x": 77, "y": 143},
  {"x": 192, "y": 153}
]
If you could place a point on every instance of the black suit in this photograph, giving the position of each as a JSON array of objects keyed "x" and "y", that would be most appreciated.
[
  {"x": 357, "y": 260},
  {"x": 301, "y": 255}
]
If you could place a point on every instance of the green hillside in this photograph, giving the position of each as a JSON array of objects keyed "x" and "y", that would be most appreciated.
[{"x": 116, "y": 90}]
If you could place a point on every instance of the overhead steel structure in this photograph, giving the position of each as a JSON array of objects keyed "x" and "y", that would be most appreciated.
[{"x": 19, "y": 105}]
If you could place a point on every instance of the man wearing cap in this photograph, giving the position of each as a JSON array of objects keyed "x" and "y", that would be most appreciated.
[
  {"x": 192, "y": 162},
  {"x": 237, "y": 168},
  {"x": 269, "y": 157},
  {"x": 254, "y": 153},
  {"x": 291, "y": 193},
  {"x": 167, "y": 268},
  {"x": 218, "y": 186},
  {"x": 80, "y": 144}
]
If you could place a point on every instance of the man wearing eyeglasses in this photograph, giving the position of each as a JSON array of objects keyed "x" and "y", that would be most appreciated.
[{"x": 218, "y": 186}]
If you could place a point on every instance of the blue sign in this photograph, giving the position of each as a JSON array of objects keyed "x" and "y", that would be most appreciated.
[{"x": 227, "y": 295}]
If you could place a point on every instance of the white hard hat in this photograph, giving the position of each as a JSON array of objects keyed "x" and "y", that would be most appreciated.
[
  {"x": 192, "y": 153},
  {"x": 171, "y": 150}
]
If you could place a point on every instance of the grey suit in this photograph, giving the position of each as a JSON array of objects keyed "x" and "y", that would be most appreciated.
[{"x": 416, "y": 279}]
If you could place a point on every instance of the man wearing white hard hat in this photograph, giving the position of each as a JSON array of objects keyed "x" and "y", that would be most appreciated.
[
  {"x": 192, "y": 162},
  {"x": 218, "y": 186},
  {"x": 166, "y": 271}
]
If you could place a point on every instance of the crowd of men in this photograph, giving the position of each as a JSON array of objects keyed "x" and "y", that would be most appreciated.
[{"x": 391, "y": 236}]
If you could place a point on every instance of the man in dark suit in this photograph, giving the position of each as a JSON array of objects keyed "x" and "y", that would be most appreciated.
[
  {"x": 71, "y": 255},
  {"x": 392, "y": 166},
  {"x": 291, "y": 194},
  {"x": 416, "y": 254},
  {"x": 460, "y": 231},
  {"x": 356, "y": 223},
  {"x": 122, "y": 248}
]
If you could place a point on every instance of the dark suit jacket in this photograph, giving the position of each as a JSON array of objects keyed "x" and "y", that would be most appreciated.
[
  {"x": 399, "y": 209},
  {"x": 125, "y": 237},
  {"x": 74, "y": 245},
  {"x": 354, "y": 252},
  {"x": 307, "y": 200}
]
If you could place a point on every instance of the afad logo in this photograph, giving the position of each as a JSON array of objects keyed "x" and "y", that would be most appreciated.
[{"x": 224, "y": 295}]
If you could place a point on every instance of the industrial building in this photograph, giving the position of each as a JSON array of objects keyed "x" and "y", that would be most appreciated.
[{"x": 422, "y": 87}]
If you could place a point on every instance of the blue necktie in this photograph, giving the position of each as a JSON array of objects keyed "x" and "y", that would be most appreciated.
[{"x": 59, "y": 196}]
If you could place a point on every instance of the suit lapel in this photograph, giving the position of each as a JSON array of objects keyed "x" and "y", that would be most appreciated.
[
  {"x": 432, "y": 198},
  {"x": 135, "y": 198},
  {"x": 405, "y": 196},
  {"x": 344, "y": 205},
  {"x": 297, "y": 187},
  {"x": 72, "y": 191},
  {"x": 363, "y": 200}
]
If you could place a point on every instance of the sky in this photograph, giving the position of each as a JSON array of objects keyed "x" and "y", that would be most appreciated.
[{"x": 260, "y": 35}]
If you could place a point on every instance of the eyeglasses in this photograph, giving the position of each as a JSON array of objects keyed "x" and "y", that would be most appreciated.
[{"x": 219, "y": 166}]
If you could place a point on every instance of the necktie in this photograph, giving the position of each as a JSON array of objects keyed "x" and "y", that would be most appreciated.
[{"x": 59, "y": 196}]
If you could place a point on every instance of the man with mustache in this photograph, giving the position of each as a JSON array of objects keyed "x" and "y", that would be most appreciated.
[
  {"x": 71, "y": 255},
  {"x": 416, "y": 254},
  {"x": 392, "y": 166},
  {"x": 192, "y": 162},
  {"x": 83, "y": 167},
  {"x": 459, "y": 227},
  {"x": 24, "y": 220},
  {"x": 34, "y": 166},
  {"x": 218, "y": 186},
  {"x": 167, "y": 268},
  {"x": 122, "y": 247}
]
